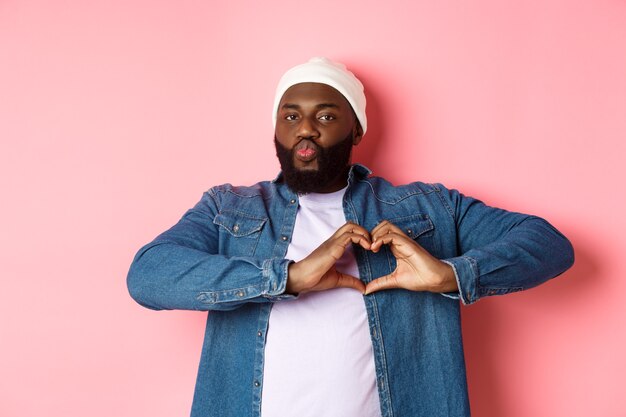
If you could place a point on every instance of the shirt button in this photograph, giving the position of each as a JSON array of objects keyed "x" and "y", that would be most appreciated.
[
  {"x": 259, "y": 333},
  {"x": 292, "y": 201},
  {"x": 284, "y": 238},
  {"x": 257, "y": 384},
  {"x": 236, "y": 228},
  {"x": 240, "y": 294}
]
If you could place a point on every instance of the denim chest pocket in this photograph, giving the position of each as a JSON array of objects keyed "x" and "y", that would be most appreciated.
[
  {"x": 239, "y": 232},
  {"x": 415, "y": 226}
]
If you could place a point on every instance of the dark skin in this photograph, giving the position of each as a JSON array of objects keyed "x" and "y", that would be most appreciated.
[
  {"x": 314, "y": 115},
  {"x": 310, "y": 115}
]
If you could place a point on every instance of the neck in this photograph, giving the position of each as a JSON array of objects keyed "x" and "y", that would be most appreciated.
[{"x": 336, "y": 184}]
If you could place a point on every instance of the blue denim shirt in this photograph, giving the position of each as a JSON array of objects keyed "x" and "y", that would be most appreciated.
[{"x": 227, "y": 255}]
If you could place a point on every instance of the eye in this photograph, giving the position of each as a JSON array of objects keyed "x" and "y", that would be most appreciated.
[
  {"x": 327, "y": 117},
  {"x": 291, "y": 117}
]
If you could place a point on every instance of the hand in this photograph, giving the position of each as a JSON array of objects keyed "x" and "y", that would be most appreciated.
[
  {"x": 416, "y": 270},
  {"x": 317, "y": 271}
]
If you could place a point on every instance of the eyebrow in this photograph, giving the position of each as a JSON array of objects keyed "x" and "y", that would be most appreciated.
[{"x": 317, "y": 107}]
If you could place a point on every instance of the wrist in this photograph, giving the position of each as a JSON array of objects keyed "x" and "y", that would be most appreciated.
[
  {"x": 447, "y": 280},
  {"x": 291, "y": 286}
]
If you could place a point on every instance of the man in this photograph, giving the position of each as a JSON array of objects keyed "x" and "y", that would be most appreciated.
[{"x": 333, "y": 292}]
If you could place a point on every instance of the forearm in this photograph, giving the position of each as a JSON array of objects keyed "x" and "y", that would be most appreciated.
[
  {"x": 529, "y": 254},
  {"x": 166, "y": 275},
  {"x": 500, "y": 251}
]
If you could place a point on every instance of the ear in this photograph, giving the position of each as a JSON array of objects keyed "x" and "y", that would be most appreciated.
[{"x": 357, "y": 133}]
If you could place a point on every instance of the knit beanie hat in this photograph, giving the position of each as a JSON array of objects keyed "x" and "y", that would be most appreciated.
[{"x": 324, "y": 71}]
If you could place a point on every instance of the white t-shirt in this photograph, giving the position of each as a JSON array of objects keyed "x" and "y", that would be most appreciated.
[{"x": 318, "y": 356}]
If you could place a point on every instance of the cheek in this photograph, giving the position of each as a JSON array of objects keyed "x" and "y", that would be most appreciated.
[
  {"x": 282, "y": 142},
  {"x": 282, "y": 134},
  {"x": 283, "y": 149}
]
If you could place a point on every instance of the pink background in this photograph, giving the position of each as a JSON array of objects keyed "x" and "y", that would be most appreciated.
[{"x": 115, "y": 116}]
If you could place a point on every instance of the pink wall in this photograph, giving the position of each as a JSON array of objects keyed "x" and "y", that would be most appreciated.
[{"x": 116, "y": 115}]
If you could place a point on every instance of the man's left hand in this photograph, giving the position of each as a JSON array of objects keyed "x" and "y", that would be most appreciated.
[{"x": 416, "y": 270}]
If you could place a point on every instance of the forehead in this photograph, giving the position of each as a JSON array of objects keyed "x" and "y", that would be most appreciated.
[{"x": 304, "y": 93}]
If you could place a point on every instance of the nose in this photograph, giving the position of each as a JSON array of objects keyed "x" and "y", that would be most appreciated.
[{"x": 307, "y": 129}]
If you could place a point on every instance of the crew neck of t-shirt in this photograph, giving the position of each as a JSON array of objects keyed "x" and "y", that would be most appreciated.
[{"x": 323, "y": 199}]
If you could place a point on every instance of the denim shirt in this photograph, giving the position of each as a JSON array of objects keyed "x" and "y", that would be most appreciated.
[{"x": 227, "y": 256}]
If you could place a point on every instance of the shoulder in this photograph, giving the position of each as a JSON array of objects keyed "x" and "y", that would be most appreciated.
[
  {"x": 385, "y": 191},
  {"x": 229, "y": 195},
  {"x": 263, "y": 189}
]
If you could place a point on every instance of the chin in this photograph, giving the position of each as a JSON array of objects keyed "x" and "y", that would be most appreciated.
[{"x": 307, "y": 168}]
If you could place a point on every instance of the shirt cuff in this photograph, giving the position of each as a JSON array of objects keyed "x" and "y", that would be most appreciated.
[
  {"x": 275, "y": 272},
  {"x": 466, "y": 274}
]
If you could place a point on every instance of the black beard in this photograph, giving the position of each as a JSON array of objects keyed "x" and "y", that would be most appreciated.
[{"x": 332, "y": 162}]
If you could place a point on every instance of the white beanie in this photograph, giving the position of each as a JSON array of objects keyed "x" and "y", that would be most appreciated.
[{"x": 324, "y": 71}]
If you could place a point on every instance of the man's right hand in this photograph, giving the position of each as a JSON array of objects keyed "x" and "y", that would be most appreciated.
[{"x": 317, "y": 271}]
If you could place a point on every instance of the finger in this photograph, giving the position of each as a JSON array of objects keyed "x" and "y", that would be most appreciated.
[
  {"x": 393, "y": 238},
  {"x": 363, "y": 241},
  {"x": 348, "y": 281},
  {"x": 328, "y": 253},
  {"x": 379, "y": 226},
  {"x": 385, "y": 227},
  {"x": 352, "y": 227},
  {"x": 385, "y": 224},
  {"x": 383, "y": 283}
]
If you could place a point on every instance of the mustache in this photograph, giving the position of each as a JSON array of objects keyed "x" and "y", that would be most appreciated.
[{"x": 306, "y": 144}]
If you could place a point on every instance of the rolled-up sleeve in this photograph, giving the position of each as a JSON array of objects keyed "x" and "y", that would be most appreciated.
[
  {"x": 182, "y": 269},
  {"x": 501, "y": 251}
]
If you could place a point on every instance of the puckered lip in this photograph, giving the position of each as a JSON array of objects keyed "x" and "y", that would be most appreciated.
[{"x": 305, "y": 150}]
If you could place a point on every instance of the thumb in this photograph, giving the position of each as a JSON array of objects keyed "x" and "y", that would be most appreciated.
[
  {"x": 348, "y": 281},
  {"x": 383, "y": 283}
]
